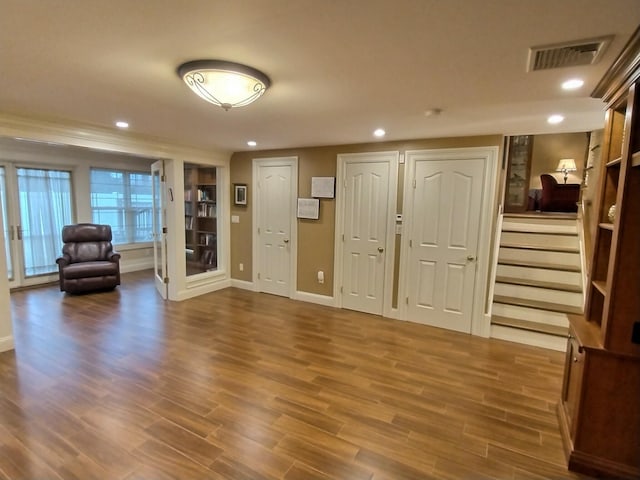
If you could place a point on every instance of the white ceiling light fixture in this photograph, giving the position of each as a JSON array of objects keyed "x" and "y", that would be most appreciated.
[
  {"x": 379, "y": 132},
  {"x": 555, "y": 119},
  {"x": 252, "y": 143},
  {"x": 225, "y": 84},
  {"x": 572, "y": 84},
  {"x": 122, "y": 124}
]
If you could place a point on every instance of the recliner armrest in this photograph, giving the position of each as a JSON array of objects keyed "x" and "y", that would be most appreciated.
[
  {"x": 64, "y": 260},
  {"x": 114, "y": 257}
]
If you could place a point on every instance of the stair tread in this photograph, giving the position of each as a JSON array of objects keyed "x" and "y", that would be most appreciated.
[
  {"x": 513, "y": 229},
  {"x": 523, "y": 302},
  {"x": 530, "y": 325},
  {"x": 546, "y": 266},
  {"x": 545, "y": 216},
  {"x": 524, "y": 246},
  {"x": 539, "y": 283}
]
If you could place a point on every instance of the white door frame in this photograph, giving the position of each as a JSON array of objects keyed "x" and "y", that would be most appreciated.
[
  {"x": 160, "y": 231},
  {"x": 293, "y": 243},
  {"x": 391, "y": 157},
  {"x": 480, "y": 321}
]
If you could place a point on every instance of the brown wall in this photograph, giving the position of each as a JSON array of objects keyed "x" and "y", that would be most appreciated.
[
  {"x": 549, "y": 149},
  {"x": 316, "y": 237}
]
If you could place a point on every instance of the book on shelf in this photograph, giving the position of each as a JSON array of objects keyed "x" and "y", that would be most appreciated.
[
  {"x": 188, "y": 222},
  {"x": 208, "y": 239}
]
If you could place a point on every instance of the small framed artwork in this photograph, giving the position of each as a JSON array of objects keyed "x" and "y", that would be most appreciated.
[
  {"x": 323, "y": 187},
  {"x": 309, "y": 208},
  {"x": 239, "y": 194}
]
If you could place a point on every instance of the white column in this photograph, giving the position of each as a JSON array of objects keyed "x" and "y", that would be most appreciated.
[{"x": 6, "y": 328}]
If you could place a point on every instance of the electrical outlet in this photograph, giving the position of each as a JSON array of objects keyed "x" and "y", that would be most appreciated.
[{"x": 241, "y": 267}]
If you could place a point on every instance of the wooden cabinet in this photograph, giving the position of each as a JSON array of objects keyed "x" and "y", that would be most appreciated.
[
  {"x": 600, "y": 407},
  {"x": 518, "y": 172},
  {"x": 200, "y": 218}
]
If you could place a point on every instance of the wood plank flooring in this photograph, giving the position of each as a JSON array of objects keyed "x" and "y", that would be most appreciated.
[{"x": 244, "y": 386}]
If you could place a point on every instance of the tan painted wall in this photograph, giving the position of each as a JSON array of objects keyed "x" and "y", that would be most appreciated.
[
  {"x": 549, "y": 149},
  {"x": 316, "y": 237}
]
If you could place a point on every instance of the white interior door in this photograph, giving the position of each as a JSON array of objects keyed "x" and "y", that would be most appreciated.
[
  {"x": 365, "y": 227},
  {"x": 274, "y": 204},
  {"x": 159, "y": 229},
  {"x": 445, "y": 208}
]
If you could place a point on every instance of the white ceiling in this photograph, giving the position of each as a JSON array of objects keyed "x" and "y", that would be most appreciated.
[{"x": 339, "y": 68}]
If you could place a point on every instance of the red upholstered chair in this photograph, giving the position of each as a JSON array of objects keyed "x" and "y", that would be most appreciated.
[{"x": 557, "y": 197}]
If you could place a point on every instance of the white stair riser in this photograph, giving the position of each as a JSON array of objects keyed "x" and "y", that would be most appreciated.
[
  {"x": 569, "y": 228},
  {"x": 562, "y": 259},
  {"x": 540, "y": 240},
  {"x": 531, "y": 314},
  {"x": 573, "y": 279},
  {"x": 539, "y": 294},
  {"x": 525, "y": 337}
]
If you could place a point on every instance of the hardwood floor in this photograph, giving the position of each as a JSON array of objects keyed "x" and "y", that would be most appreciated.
[{"x": 245, "y": 386}]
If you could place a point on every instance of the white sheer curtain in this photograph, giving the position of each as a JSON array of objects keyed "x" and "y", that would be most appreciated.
[
  {"x": 5, "y": 220},
  {"x": 45, "y": 207}
]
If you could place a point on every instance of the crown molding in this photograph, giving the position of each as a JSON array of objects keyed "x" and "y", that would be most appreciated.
[
  {"x": 624, "y": 71},
  {"x": 66, "y": 133}
]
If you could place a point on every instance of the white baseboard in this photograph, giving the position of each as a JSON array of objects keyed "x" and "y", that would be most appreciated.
[
  {"x": 536, "y": 339},
  {"x": 202, "y": 289},
  {"x": 314, "y": 298},
  {"x": 243, "y": 284},
  {"x": 6, "y": 344},
  {"x": 136, "y": 265}
]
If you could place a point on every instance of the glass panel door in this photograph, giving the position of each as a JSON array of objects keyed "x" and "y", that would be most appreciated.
[
  {"x": 159, "y": 229},
  {"x": 45, "y": 206},
  {"x": 7, "y": 230}
]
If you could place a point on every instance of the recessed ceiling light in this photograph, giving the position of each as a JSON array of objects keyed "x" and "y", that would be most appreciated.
[
  {"x": 572, "y": 84},
  {"x": 379, "y": 132},
  {"x": 252, "y": 143},
  {"x": 121, "y": 124},
  {"x": 555, "y": 119}
]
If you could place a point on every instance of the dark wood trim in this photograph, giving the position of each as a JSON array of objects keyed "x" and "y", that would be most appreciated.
[{"x": 624, "y": 71}]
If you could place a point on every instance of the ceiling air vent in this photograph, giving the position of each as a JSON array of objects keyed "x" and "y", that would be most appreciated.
[{"x": 572, "y": 54}]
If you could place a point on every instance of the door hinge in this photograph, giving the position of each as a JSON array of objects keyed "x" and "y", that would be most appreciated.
[
  {"x": 406, "y": 300},
  {"x": 414, "y": 183},
  {"x": 258, "y": 275},
  {"x": 163, "y": 178},
  {"x": 165, "y": 280},
  {"x": 343, "y": 237},
  {"x": 164, "y": 230},
  {"x": 258, "y": 230},
  {"x": 341, "y": 289},
  {"x": 410, "y": 243}
]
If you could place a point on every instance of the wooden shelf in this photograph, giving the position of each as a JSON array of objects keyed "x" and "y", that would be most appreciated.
[
  {"x": 587, "y": 334},
  {"x": 635, "y": 159},
  {"x": 600, "y": 285},
  {"x": 606, "y": 226},
  {"x": 615, "y": 162}
]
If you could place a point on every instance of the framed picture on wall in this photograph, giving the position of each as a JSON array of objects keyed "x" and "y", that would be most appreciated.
[{"x": 239, "y": 194}]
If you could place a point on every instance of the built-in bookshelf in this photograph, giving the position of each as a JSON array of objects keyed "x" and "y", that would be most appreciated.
[
  {"x": 599, "y": 413},
  {"x": 200, "y": 218}
]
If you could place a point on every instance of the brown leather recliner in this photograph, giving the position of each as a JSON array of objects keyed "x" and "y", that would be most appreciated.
[
  {"x": 557, "y": 197},
  {"x": 88, "y": 261}
]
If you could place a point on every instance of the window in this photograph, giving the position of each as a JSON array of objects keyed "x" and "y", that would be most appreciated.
[{"x": 123, "y": 200}]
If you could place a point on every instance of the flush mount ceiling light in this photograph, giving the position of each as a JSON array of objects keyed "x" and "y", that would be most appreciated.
[{"x": 226, "y": 84}]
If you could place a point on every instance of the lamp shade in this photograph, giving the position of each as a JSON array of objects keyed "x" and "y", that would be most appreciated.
[
  {"x": 566, "y": 165},
  {"x": 225, "y": 84}
]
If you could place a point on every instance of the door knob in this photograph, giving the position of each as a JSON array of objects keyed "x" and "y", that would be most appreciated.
[
  {"x": 286, "y": 240},
  {"x": 470, "y": 258},
  {"x": 380, "y": 249}
]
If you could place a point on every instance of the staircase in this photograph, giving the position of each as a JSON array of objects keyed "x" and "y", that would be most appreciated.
[{"x": 538, "y": 280}]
